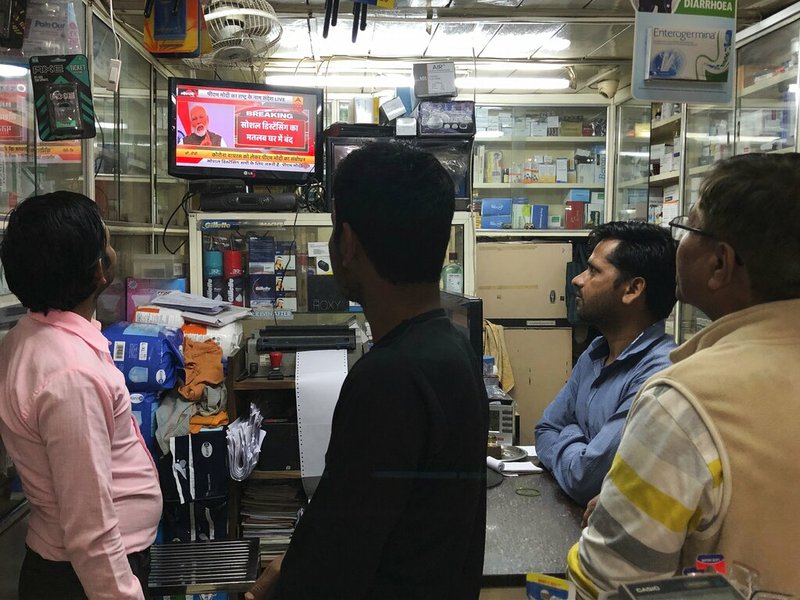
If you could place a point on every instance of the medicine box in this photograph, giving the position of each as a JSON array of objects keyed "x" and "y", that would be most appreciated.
[
  {"x": 578, "y": 195},
  {"x": 496, "y": 222},
  {"x": 495, "y": 206}
]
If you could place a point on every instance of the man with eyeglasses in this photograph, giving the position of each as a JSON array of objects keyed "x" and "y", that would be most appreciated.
[{"x": 709, "y": 457}]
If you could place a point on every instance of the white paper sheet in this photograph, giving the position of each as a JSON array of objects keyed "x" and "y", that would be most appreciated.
[
  {"x": 512, "y": 468},
  {"x": 319, "y": 375}
]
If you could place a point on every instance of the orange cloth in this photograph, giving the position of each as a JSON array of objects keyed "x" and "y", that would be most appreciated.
[
  {"x": 203, "y": 362},
  {"x": 197, "y": 422}
]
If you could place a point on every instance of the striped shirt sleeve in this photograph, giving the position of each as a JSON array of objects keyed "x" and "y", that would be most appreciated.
[{"x": 665, "y": 482}]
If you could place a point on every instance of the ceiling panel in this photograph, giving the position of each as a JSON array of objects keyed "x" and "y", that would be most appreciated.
[
  {"x": 590, "y": 40},
  {"x": 460, "y": 39},
  {"x": 520, "y": 41},
  {"x": 461, "y": 29}
]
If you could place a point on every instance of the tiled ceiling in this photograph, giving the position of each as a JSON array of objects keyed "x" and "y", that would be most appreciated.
[{"x": 600, "y": 32}]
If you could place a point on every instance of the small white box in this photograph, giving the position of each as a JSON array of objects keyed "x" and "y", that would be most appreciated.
[
  {"x": 434, "y": 79},
  {"x": 561, "y": 170},
  {"x": 405, "y": 126}
]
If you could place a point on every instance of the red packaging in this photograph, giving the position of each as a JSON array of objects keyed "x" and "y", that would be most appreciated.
[
  {"x": 573, "y": 215},
  {"x": 232, "y": 263}
]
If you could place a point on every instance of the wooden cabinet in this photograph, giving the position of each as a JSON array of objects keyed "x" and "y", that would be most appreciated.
[{"x": 265, "y": 504}]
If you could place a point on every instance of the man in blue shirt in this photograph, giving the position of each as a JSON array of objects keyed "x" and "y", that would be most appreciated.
[{"x": 626, "y": 292}]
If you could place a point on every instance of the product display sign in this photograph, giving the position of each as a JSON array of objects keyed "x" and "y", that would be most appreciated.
[
  {"x": 62, "y": 97},
  {"x": 683, "y": 51}
]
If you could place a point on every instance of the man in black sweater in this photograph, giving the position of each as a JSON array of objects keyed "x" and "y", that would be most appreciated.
[{"x": 400, "y": 511}]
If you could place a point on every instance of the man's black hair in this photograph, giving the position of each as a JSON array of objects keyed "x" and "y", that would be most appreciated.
[
  {"x": 51, "y": 248},
  {"x": 646, "y": 251},
  {"x": 400, "y": 203}
]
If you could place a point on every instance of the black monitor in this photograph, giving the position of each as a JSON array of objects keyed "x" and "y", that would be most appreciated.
[
  {"x": 455, "y": 155},
  {"x": 466, "y": 315},
  {"x": 255, "y": 132}
]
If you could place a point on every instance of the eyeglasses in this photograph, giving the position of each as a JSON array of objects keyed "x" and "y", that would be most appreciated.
[{"x": 679, "y": 227}]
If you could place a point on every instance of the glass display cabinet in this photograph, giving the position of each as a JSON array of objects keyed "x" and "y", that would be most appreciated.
[
  {"x": 545, "y": 163},
  {"x": 766, "y": 94},
  {"x": 632, "y": 167},
  {"x": 278, "y": 263}
]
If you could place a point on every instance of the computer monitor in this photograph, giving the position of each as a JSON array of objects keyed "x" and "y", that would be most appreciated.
[
  {"x": 255, "y": 132},
  {"x": 466, "y": 315}
]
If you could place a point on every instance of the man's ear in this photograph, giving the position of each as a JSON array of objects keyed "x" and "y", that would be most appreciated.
[
  {"x": 724, "y": 266},
  {"x": 634, "y": 289},
  {"x": 349, "y": 244}
]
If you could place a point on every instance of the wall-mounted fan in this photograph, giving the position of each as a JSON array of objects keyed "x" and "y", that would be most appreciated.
[{"x": 243, "y": 32}]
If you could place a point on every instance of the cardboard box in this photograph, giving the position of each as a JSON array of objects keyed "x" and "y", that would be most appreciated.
[
  {"x": 496, "y": 222},
  {"x": 456, "y": 119},
  {"x": 433, "y": 80},
  {"x": 578, "y": 195},
  {"x": 585, "y": 172},
  {"x": 522, "y": 280},
  {"x": 574, "y": 215},
  {"x": 495, "y": 206},
  {"x": 571, "y": 128}
]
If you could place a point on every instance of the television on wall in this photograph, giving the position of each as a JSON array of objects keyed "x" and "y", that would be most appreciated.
[{"x": 258, "y": 133}]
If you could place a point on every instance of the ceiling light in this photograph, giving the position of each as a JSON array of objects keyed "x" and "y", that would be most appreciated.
[
  {"x": 12, "y": 71},
  {"x": 513, "y": 83},
  {"x": 556, "y": 44},
  {"x": 368, "y": 80}
]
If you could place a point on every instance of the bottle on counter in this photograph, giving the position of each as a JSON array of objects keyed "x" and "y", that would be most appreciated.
[{"x": 453, "y": 275}]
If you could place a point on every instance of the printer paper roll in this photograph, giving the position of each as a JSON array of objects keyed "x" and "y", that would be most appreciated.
[{"x": 319, "y": 375}]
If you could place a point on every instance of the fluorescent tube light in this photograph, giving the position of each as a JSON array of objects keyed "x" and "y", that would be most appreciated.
[{"x": 12, "y": 71}]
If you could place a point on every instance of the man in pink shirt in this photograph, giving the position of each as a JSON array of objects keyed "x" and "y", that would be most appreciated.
[{"x": 65, "y": 415}]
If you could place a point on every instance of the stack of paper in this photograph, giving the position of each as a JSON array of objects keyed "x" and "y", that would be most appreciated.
[
  {"x": 512, "y": 468},
  {"x": 198, "y": 309},
  {"x": 269, "y": 512}
]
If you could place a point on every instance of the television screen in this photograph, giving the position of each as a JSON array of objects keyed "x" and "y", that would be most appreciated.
[
  {"x": 454, "y": 155},
  {"x": 255, "y": 132}
]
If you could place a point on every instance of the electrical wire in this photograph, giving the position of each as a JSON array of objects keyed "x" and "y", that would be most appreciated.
[
  {"x": 117, "y": 42},
  {"x": 181, "y": 204}
]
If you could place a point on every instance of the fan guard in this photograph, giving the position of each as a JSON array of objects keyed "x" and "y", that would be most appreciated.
[{"x": 243, "y": 32}]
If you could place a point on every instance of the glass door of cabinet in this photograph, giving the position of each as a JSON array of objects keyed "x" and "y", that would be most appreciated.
[
  {"x": 666, "y": 138},
  {"x": 709, "y": 138},
  {"x": 540, "y": 167},
  {"x": 170, "y": 212},
  {"x": 281, "y": 266},
  {"x": 632, "y": 168},
  {"x": 767, "y": 91}
]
